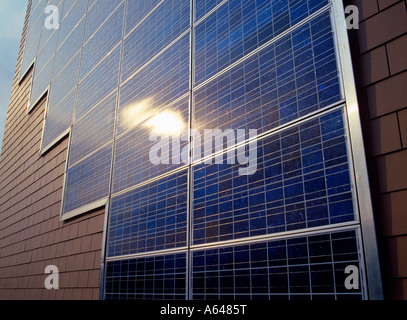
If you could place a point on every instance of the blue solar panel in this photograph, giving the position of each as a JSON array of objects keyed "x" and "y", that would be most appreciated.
[
  {"x": 158, "y": 278},
  {"x": 59, "y": 119},
  {"x": 88, "y": 181},
  {"x": 159, "y": 29},
  {"x": 302, "y": 180},
  {"x": 133, "y": 163},
  {"x": 100, "y": 121},
  {"x": 197, "y": 229},
  {"x": 162, "y": 81},
  {"x": 202, "y": 7},
  {"x": 299, "y": 268},
  {"x": 98, "y": 14},
  {"x": 103, "y": 41},
  {"x": 238, "y": 27},
  {"x": 152, "y": 217},
  {"x": 99, "y": 83},
  {"x": 290, "y": 78}
]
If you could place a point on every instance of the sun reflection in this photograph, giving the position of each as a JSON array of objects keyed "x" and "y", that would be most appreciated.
[
  {"x": 167, "y": 122},
  {"x": 136, "y": 113}
]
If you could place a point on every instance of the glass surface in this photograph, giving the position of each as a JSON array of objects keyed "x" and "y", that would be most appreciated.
[
  {"x": 100, "y": 121},
  {"x": 152, "y": 217},
  {"x": 290, "y": 78},
  {"x": 99, "y": 83},
  {"x": 302, "y": 180},
  {"x": 88, "y": 181},
  {"x": 283, "y": 269},
  {"x": 162, "y": 26},
  {"x": 154, "y": 278}
]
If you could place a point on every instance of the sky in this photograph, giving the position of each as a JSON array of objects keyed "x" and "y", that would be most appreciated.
[{"x": 12, "y": 14}]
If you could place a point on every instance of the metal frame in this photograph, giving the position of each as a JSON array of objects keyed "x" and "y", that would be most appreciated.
[{"x": 373, "y": 273}]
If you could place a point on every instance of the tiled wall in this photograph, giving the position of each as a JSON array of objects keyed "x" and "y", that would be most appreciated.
[
  {"x": 31, "y": 234},
  {"x": 380, "y": 60}
]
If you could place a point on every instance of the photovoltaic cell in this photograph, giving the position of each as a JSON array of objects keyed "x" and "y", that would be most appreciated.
[
  {"x": 202, "y": 7},
  {"x": 88, "y": 181},
  {"x": 160, "y": 28},
  {"x": 288, "y": 79},
  {"x": 302, "y": 180},
  {"x": 301, "y": 268},
  {"x": 102, "y": 42},
  {"x": 59, "y": 119},
  {"x": 65, "y": 82},
  {"x": 255, "y": 65},
  {"x": 98, "y": 14},
  {"x": 150, "y": 218},
  {"x": 41, "y": 82},
  {"x": 239, "y": 27},
  {"x": 152, "y": 278},
  {"x": 163, "y": 80},
  {"x": 137, "y": 11},
  {"x": 133, "y": 163},
  {"x": 46, "y": 52},
  {"x": 68, "y": 49},
  {"x": 100, "y": 121},
  {"x": 101, "y": 82},
  {"x": 72, "y": 16}
]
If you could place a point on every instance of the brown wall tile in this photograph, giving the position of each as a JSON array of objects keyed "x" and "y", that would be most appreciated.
[
  {"x": 392, "y": 171},
  {"x": 392, "y": 216},
  {"x": 383, "y": 27},
  {"x": 384, "y": 136},
  {"x": 387, "y": 96},
  {"x": 397, "y": 50},
  {"x": 373, "y": 66}
]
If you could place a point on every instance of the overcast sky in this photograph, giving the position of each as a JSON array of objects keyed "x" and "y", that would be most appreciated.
[{"x": 12, "y": 14}]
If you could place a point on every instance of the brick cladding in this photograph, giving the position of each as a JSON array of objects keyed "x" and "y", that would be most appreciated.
[
  {"x": 379, "y": 50},
  {"x": 31, "y": 233}
]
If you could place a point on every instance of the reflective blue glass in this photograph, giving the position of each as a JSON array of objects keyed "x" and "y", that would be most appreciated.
[
  {"x": 100, "y": 121},
  {"x": 239, "y": 27},
  {"x": 103, "y": 41},
  {"x": 88, "y": 181},
  {"x": 285, "y": 193},
  {"x": 149, "y": 218},
  {"x": 284, "y": 269},
  {"x": 165, "y": 24},
  {"x": 153, "y": 278},
  {"x": 272, "y": 87},
  {"x": 134, "y": 161},
  {"x": 99, "y": 83}
]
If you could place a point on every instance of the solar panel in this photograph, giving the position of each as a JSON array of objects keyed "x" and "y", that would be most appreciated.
[{"x": 187, "y": 226}]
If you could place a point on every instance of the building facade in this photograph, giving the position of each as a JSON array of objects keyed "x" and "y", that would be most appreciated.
[{"x": 200, "y": 149}]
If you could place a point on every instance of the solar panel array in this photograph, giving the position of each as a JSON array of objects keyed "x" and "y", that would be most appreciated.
[{"x": 192, "y": 228}]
